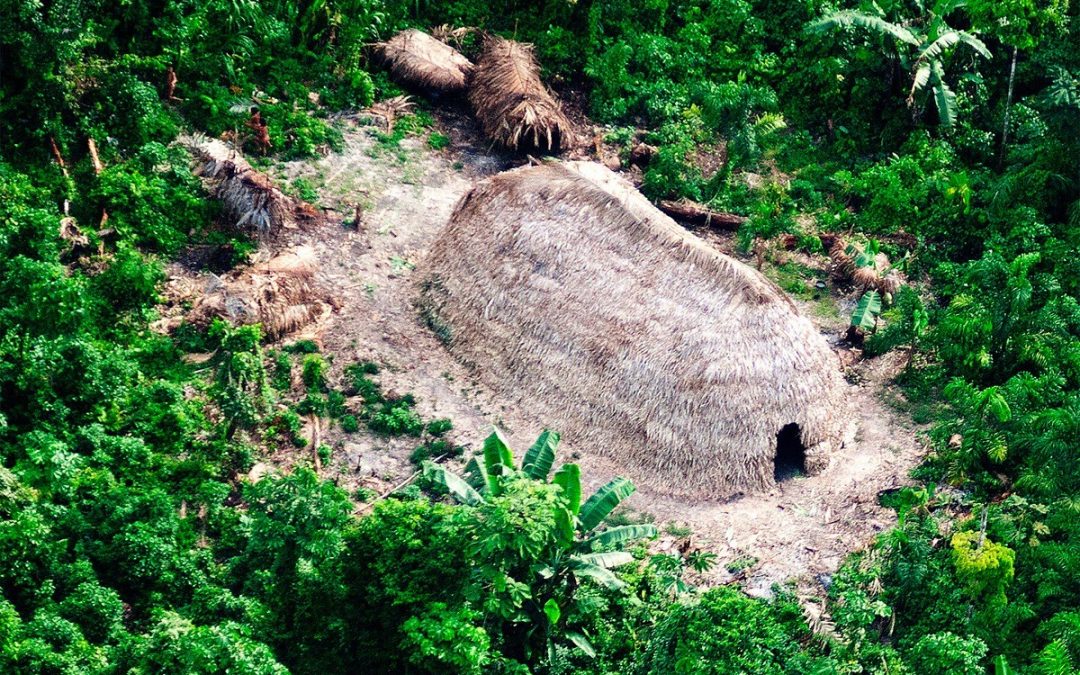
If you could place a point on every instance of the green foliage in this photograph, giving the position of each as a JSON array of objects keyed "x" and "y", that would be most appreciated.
[
  {"x": 240, "y": 384},
  {"x": 313, "y": 372},
  {"x": 282, "y": 376},
  {"x": 725, "y": 631},
  {"x": 867, "y": 311},
  {"x": 131, "y": 541},
  {"x": 949, "y": 654},
  {"x": 536, "y": 544},
  {"x": 924, "y": 53},
  {"x": 438, "y": 141},
  {"x": 395, "y": 418},
  {"x": 302, "y": 347},
  {"x": 984, "y": 566},
  {"x": 349, "y": 424}
]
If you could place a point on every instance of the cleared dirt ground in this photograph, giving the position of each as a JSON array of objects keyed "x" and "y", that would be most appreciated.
[{"x": 799, "y": 532}]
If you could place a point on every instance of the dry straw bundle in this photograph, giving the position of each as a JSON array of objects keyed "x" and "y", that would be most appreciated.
[
  {"x": 280, "y": 294},
  {"x": 512, "y": 104},
  {"x": 415, "y": 58},
  {"x": 251, "y": 200},
  {"x": 567, "y": 289},
  {"x": 879, "y": 275}
]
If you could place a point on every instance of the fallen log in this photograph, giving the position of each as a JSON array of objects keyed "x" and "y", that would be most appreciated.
[{"x": 684, "y": 209}]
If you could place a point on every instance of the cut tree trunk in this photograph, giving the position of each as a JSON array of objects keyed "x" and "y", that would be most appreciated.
[
  {"x": 693, "y": 212},
  {"x": 1008, "y": 102}
]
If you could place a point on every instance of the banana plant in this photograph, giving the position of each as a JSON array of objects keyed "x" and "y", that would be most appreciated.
[
  {"x": 867, "y": 311},
  {"x": 927, "y": 42},
  {"x": 582, "y": 551}
]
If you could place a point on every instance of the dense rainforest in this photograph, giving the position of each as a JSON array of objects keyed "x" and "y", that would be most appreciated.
[{"x": 944, "y": 133}]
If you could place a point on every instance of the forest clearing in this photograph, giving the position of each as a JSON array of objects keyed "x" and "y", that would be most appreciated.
[
  {"x": 798, "y": 532},
  {"x": 587, "y": 337}
]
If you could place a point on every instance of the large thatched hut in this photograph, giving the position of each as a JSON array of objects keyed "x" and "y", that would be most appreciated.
[
  {"x": 512, "y": 103},
  {"x": 565, "y": 289},
  {"x": 417, "y": 59}
]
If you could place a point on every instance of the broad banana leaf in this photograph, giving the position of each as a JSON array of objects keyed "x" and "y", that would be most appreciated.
[
  {"x": 455, "y": 485},
  {"x": 568, "y": 477},
  {"x": 498, "y": 459},
  {"x": 603, "y": 502},
  {"x": 541, "y": 455},
  {"x": 624, "y": 533},
  {"x": 867, "y": 311}
]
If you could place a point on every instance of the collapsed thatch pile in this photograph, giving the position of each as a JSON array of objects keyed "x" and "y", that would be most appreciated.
[
  {"x": 565, "y": 287},
  {"x": 250, "y": 198},
  {"x": 852, "y": 261},
  {"x": 280, "y": 294},
  {"x": 415, "y": 58},
  {"x": 513, "y": 105}
]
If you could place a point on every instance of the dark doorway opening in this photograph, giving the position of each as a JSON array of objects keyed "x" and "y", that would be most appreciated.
[{"x": 790, "y": 460}]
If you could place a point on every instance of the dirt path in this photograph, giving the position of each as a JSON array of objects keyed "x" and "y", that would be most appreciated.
[{"x": 801, "y": 531}]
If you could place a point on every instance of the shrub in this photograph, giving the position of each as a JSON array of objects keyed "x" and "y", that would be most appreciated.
[
  {"x": 727, "y": 632},
  {"x": 314, "y": 372},
  {"x": 396, "y": 418},
  {"x": 947, "y": 654}
]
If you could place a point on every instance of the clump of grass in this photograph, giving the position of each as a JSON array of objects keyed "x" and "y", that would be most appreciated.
[
  {"x": 302, "y": 347},
  {"x": 740, "y": 564},
  {"x": 438, "y": 447},
  {"x": 797, "y": 280},
  {"x": 438, "y": 141},
  {"x": 676, "y": 530},
  {"x": 303, "y": 189},
  {"x": 282, "y": 377},
  {"x": 314, "y": 372}
]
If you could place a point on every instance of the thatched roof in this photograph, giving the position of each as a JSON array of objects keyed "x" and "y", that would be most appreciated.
[
  {"x": 279, "y": 293},
  {"x": 417, "y": 59},
  {"x": 512, "y": 104},
  {"x": 250, "y": 199},
  {"x": 565, "y": 289}
]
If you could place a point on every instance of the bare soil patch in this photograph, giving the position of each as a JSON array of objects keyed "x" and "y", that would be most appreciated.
[{"x": 801, "y": 531}]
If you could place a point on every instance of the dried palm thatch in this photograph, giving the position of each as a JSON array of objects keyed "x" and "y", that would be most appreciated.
[
  {"x": 250, "y": 198},
  {"x": 417, "y": 59},
  {"x": 280, "y": 294},
  {"x": 850, "y": 262},
  {"x": 564, "y": 287},
  {"x": 389, "y": 110},
  {"x": 512, "y": 104}
]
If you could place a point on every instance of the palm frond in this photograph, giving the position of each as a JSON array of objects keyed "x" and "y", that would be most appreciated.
[
  {"x": 975, "y": 43},
  {"x": 848, "y": 19},
  {"x": 936, "y": 48}
]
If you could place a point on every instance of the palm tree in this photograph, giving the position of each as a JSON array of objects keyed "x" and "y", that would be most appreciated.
[{"x": 932, "y": 40}]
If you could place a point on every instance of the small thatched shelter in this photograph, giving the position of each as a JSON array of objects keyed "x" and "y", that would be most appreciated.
[
  {"x": 416, "y": 59},
  {"x": 565, "y": 289},
  {"x": 250, "y": 199},
  {"x": 512, "y": 104},
  {"x": 278, "y": 293}
]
